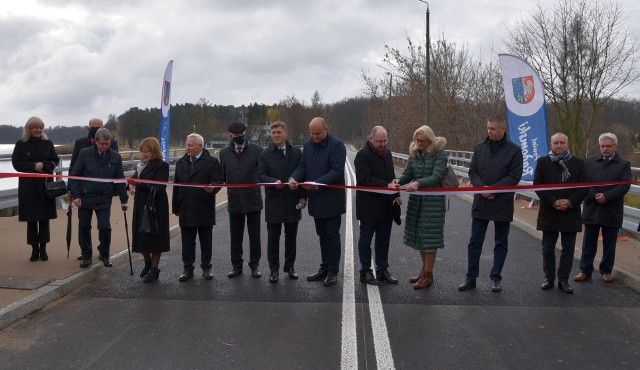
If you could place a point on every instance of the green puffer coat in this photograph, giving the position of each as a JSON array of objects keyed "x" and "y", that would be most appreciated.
[{"x": 424, "y": 222}]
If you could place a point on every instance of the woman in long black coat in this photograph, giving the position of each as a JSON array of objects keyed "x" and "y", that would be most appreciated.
[
  {"x": 34, "y": 153},
  {"x": 151, "y": 167}
]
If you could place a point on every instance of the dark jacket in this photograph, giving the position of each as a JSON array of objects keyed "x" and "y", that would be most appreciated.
[
  {"x": 86, "y": 142},
  {"x": 98, "y": 195},
  {"x": 33, "y": 203},
  {"x": 280, "y": 204},
  {"x": 372, "y": 170},
  {"x": 194, "y": 206},
  {"x": 242, "y": 169},
  {"x": 324, "y": 163},
  {"x": 156, "y": 169},
  {"x": 499, "y": 166},
  {"x": 548, "y": 172},
  {"x": 611, "y": 213}
]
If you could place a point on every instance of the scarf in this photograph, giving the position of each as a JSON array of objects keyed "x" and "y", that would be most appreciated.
[
  {"x": 380, "y": 153},
  {"x": 562, "y": 161}
]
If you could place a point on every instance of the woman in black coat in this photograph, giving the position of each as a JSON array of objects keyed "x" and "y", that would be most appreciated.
[
  {"x": 34, "y": 153},
  {"x": 151, "y": 167}
]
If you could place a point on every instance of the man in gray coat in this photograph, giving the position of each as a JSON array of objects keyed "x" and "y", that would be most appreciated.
[
  {"x": 496, "y": 162},
  {"x": 603, "y": 207},
  {"x": 240, "y": 166},
  {"x": 282, "y": 206}
]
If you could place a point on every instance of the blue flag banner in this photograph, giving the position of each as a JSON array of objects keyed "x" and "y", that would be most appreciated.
[
  {"x": 526, "y": 110},
  {"x": 165, "y": 105}
]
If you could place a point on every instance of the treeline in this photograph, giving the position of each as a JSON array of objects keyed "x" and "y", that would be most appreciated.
[{"x": 59, "y": 134}]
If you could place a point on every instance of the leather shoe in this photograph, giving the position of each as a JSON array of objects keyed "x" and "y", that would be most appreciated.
[
  {"x": 106, "y": 262},
  {"x": 186, "y": 275},
  {"x": 607, "y": 278},
  {"x": 468, "y": 285},
  {"x": 386, "y": 275},
  {"x": 548, "y": 284},
  {"x": 206, "y": 274},
  {"x": 368, "y": 278},
  {"x": 85, "y": 263},
  {"x": 292, "y": 273},
  {"x": 564, "y": 286},
  {"x": 581, "y": 277},
  {"x": 496, "y": 286},
  {"x": 273, "y": 277},
  {"x": 255, "y": 273},
  {"x": 234, "y": 273},
  {"x": 318, "y": 276},
  {"x": 331, "y": 279}
]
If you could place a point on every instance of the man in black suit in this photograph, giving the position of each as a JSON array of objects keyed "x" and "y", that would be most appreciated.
[
  {"x": 195, "y": 206},
  {"x": 323, "y": 160},
  {"x": 374, "y": 167},
  {"x": 603, "y": 207},
  {"x": 239, "y": 162},
  {"x": 559, "y": 212},
  {"x": 282, "y": 206}
]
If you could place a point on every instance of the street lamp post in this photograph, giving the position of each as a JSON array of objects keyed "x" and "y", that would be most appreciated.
[{"x": 427, "y": 69}]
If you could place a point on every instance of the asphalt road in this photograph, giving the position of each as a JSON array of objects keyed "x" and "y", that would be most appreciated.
[{"x": 120, "y": 322}]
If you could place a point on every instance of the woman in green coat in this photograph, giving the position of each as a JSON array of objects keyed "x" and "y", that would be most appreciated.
[{"x": 424, "y": 224}]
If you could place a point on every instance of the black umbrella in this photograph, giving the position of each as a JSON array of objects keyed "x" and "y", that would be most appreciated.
[
  {"x": 69, "y": 213},
  {"x": 126, "y": 231}
]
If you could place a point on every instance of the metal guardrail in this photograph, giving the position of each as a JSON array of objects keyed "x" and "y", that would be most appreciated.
[
  {"x": 460, "y": 161},
  {"x": 9, "y": 197}
]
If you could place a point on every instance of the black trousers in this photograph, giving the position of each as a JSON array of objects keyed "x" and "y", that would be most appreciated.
[
  {"x": 236, "y": 226},
  {"x": 568, "y": 242},
  {"x": 328, "y": 229},
  {"x": 205, "y": 234},
  {"x": 38, "y": 232},
  {"x": 104, "y": 231},
  {"x": 273, "y": 244}
]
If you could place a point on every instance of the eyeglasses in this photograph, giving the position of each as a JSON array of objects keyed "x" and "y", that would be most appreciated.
[
  {"x": 421, "y": 141},
  {"x": 145, "y": 151}
]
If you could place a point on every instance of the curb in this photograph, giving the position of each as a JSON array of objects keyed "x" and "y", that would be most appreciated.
[{"x": 59, "y": 288}]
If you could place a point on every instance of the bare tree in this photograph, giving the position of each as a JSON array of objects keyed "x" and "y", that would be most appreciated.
[{"x": 584, "y": 56}]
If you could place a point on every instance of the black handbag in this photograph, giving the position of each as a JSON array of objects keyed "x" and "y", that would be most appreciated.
[
  {"x": 149, "y": 219},
  {"x": 55, "y": 189}
]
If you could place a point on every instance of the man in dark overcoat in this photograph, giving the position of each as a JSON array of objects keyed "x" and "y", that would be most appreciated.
[
  {"x": 323, "y": 161},
  {"x": 98, "y": 161},
  {"x": 559, "y": 212},
  {"x": 496, "y": 162},
  {"x": 195, "y": 206},
  {"x": 603, "y": 207},
  {"x": 240, "y": 166},
  {"x": 88, "y": 142},
  {"x": 374, "y": 167},
  {"x": 282, "y": 206}
]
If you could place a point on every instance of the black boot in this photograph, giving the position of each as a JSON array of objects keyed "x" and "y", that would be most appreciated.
[
  {"x": 35, "y": 253},
  {"x": 145, "y": 270},
  {"x": 43, "y": 252},
  {"x": 153, "y": 275}
]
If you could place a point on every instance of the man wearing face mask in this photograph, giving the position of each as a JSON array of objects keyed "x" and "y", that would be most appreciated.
[
  {"x": 87, "y": 142},
  {"x": 240, "y": 166}
]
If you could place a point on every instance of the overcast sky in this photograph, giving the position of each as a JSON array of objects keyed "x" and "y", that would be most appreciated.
[{"x": 69, "y": 60}]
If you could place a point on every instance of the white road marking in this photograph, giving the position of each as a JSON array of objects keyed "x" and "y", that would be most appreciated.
[
  {"x": 384, "y": 356},
  {"x": 349, "y": 356}
]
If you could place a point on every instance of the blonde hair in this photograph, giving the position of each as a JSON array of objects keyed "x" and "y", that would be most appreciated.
[
  {"x": 152, "y": 145},
  {"x": 436, "y": 143},
  {"x": 279, "y": 124},
  {"x": 31, "y": 123}
]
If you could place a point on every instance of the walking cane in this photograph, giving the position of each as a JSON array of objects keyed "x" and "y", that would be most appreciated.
[{"x": 126, "y": 231}]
